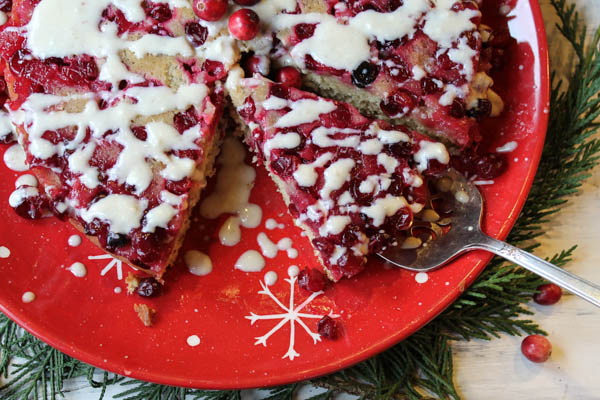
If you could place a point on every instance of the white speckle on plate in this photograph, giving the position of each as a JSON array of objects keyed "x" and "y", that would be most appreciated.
[
  {"x": 193, "y": 340},
  {"x": 74, "y": 240},
  {"x": 507, "y": 147},
  {"x": 4, "y": 252},
  {"x": 78, "y": 269},
  {"x": 421, "y": 277},
  {"x": 28, "y": 297},
  {"x": 118, "y": 290}
]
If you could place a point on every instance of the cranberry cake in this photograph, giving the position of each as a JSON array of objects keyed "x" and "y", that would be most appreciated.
[
  {"x": 351, "y": 182},
  {"x": 117, "y": 105},
  {"x": 418, "y": 61}
]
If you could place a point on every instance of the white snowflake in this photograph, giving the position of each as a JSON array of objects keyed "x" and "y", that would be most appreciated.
[
  {"x": 114, "y": 262},
  {"x": 291, "y": 315}
]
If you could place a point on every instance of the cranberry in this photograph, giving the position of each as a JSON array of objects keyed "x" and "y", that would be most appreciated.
[
  {"x": 148, "y": 244},
  {"x": 148, "y": 287},
  {"x": 160, "y": 12},
  {"x": 214, "y": 69},
  {"x": 341, "y": 116},
  {"x": 324, "y": 245},
  {"x": 289, "y": 76},
  {"x": 398, "y": 103},
  {"x": 403, "y": 219},
  {"x": 304, "y": 31},
  {"x": 428, "y": 86},
  {"x": 489, "y": 166},
  {"x": 378, "y": 241},
  {"x": 5, "y": 5},
  {"x": 360, "y": 197},
  {"x": 179, "y": 187},
  {"x": 196, "y": 33},
  {"x": 210, "y": 10},
  {"x": 7, "y": 138},
  {"x": 400, "y": 149},
  {"x": 254, "y": 64},
  {"x": 327, "y": 327},
  {"x": 350, "y": 235},
  {"x": 284, "y": 166},
  {"x": 246, "y": 3},
  {"x": 457, "y": 108},
  {"x": 140, "y": 132},
  {"x": 248, "y": 109},
  {"x": 281, "y": 91},
  {"x": 116, "y": 240},
  {"x": 312, "y": 280},
  {"x": 244, "y": 24},
  {"x": 20, "y": 61},
  {"x": 548, "y": 294},
  {"x": 536, "y": 348},
  {"x": 483, "y": 109},
  {"x": 32, "y": 207},
  {"x": 185, "y": 120},
  {"x": 365, "y": 74}
]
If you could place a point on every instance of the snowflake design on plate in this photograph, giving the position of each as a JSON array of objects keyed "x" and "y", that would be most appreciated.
[
  {"x": 113, "y": 263},
  {"x": 291, "y": 315}
]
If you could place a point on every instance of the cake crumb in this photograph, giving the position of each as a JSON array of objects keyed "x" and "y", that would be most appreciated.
[
  {"x": 132, "y": 283},
  {"x": 145, "y": 313}
]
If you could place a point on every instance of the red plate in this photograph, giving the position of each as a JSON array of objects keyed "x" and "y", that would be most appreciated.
[{"x": 86, "y": 319}]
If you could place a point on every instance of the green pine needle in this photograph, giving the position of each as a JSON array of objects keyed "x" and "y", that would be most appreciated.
[{"x": 420, "y": 366}]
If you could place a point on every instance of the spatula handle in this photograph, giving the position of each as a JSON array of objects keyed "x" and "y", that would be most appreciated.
[{"x": 574, "y": 284}]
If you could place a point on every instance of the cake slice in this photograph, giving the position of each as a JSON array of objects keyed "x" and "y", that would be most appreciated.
[
  {"x": 417, "y": 61},
  {"x": 117, "y": 106},
  {"x": 352, "y": 183}
]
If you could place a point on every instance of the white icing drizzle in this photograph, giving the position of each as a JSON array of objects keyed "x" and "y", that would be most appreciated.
[
  {"x": 270, "y": 249},
  {"x": 193, "y": 340},
  {"x": 26, "y": 180},
  {"x": 271, "y": 224},
  {"x": 5, "y": 124},
  {"x": 3, "y": 18},
  {"x": 430, "y": 151},
  {"x": 383, "y": 207},
  {"x": 14, "y": 158},
  {"x": 111, "y": 209},
  {"x": 28, "y": 297},
  {"x": 421, "y": 277},
  {"x": 4, "y": 252},
  {"x": 74, "y": 240},
  {"x": 507, "y": 147},
  {"x": 198, "y": 263},
  {"x": 271, "y": 278},
  {"x": 231, "y": 195},
  {"x": 250, "y": 261},
  {"x": 18, "y": 196},
  {"x": 304, "y": 111},
  {"x": 159, "y": 216},
  {"x": 78, "y": 269}
]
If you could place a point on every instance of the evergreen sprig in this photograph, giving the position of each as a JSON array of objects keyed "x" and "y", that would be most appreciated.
[{"x": 420, "y": 366}]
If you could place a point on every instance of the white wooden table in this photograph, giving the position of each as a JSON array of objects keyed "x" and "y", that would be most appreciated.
[{"x": 496, "y": 369}]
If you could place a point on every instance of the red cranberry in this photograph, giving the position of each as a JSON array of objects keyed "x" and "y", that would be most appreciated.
[
  {"x": 400, "y": 149},
  {"x": 402, "y": 220},
  {"x": 214, "y": 69},
  {"x": 350, "y": 235},
  {"x": 281, "y": 91},
  {"x": 312, "y": 280},
  {"x": 140, "y": 132},
  {"x": 248, "y": 109},
  {"x": 304, "y": 31},
  {"x": 360, "y": 197},
  {"x": 5, "y": 5},
  {"x": 7, "y": 138},
  {"x": 148, "y": 244},
  {"x": 196, "y": 33},
  {"x": 247, "y": 3},
  {"x": 244, "y": 24},
  {"x": 428, "y": 86},
  {"x": 116, "y": 240},
  {"x": 536, "y": 348},
  {"x": 548, "y": 294},
  {"x": 32, "y": 207},
  {"x": 20, "y": 61},
  {"x": 289, "y": 76},
  {"x": 327, "y": 327},
  {"x": 82, "y": 68},
  {"x": 489, "y": 166},
  {"x": 457, "y": 108},
  {"x": 324, "y": 245},
  {"x": 398, "y": 103},
  {"x": 284, "y": 166},
  {"x": 256, "y": 65},
  {"x": 148, "y": 287},
  {"x": 365, "y": 74},
  {"x": 210, "y": 10},
  {"x": 160, "y": 12},
  {"x": 378, "y": 241},
  {"x": 179, "y": 187},
  {"x": 185, "y": 120}
]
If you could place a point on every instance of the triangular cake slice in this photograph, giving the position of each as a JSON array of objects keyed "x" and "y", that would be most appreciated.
[
  {"x": 117, "y": 105},
  {"x": 424, "y": 62},
  {"x": 352, "y": 183}
]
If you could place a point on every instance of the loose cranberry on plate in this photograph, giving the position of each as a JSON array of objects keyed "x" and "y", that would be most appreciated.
[
  {"x": 148, "y": 287},
  {"x": 244, "y": 24},
  {"x": 210, "y": 10},
  {"x": 289, "y": 76},
  {"x": 536, "y": 348},
  {"x": 312, "y": 280},
  {"x": 327, "y": 327},
  {"x": 548, "y": 294}
]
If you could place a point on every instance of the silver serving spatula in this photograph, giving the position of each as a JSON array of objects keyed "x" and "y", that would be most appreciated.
[{"x": 465, "y": 234}]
